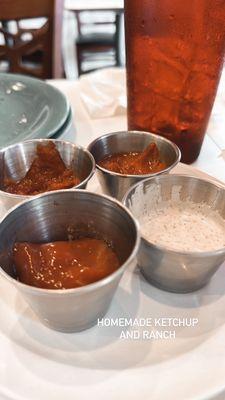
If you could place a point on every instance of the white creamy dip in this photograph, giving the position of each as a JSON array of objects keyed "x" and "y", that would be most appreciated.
[{"x": 184, "y": 226}]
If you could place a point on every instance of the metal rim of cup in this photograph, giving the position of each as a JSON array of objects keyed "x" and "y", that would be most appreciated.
[
  {"x": 200, "y": 254},
  {"x": 91, "y": 286},
  {"x": 83, "y": 182},
  {"x": 145, "y": 176}
]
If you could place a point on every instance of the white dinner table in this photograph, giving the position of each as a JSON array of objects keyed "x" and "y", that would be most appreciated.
[{"x": 37, "y": 363}]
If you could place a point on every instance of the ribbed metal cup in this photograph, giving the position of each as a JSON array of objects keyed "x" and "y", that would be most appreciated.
[
  {"x": 51, "y": 217},
  {"x": 116, "y": 184},
  {"x": 172, "y": 270},
  {"x": 15, "y": 161}
]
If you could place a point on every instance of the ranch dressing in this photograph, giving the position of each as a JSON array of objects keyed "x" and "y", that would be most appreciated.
[{"x": 184, "y": 226}]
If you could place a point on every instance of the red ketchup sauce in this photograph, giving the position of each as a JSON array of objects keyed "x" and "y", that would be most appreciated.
[{"x": 64, "y": 264}]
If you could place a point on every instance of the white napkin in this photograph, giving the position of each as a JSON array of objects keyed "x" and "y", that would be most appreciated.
[{"x": 103, "y": 92}]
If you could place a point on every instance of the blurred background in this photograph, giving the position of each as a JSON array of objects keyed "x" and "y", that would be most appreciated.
[{"x": 61, "y": 38}]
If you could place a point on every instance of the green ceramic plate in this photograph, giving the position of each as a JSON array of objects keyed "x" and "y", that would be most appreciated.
[{"x": 29, "y": 108}]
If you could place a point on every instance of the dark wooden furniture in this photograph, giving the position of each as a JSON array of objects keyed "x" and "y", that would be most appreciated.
[
  {"x": 35, "y": 52},
  {"x": 92, "y": 45}
]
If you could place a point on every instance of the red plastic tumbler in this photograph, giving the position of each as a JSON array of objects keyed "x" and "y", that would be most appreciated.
[{"x": 175, "y": 51}]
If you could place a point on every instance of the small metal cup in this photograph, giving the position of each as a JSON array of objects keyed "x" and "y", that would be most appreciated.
[
  {"x": 116, "y": 184},
  {"x": 15, "y": 161},
  {"x": 171, "y": 270},
  {"x": 51, "y": 217}
]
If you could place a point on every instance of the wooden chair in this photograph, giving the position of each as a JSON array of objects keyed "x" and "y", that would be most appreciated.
[
  {"x": 95, "y": 44},
  {"x": 30, "y": 51}
]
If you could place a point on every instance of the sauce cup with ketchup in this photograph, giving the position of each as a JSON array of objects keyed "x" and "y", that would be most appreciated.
[
  {"x": 86, "y": 240},
  {"x": 125, "y": 158},
  {"x": 40, "y": 165}
]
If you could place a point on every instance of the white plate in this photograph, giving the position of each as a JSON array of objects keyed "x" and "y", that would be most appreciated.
[{"x": 37, "y": 363}]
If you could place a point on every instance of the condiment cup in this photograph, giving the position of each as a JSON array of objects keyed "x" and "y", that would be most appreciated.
[
  {"x": 171, "y": 270},
  {"x": 15, "y": 161},
  {"x": 56, "y": 216},
  {"x": 116, "y": 184}
]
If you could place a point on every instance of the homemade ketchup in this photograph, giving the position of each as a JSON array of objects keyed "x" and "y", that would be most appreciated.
[
  {"x": 64, "y": 264},
  {"x": 135, "y": 163},
  {"x": 47, "y": 172}
]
